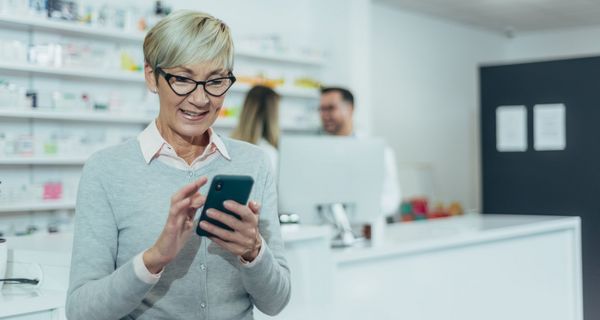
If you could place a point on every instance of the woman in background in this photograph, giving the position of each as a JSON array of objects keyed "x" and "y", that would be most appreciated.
[{"x": 259, "y": 121}]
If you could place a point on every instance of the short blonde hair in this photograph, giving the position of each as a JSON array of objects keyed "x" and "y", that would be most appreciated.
[
  {"x": 187, "y": 37},
  {"x": 259, "y": 117}
]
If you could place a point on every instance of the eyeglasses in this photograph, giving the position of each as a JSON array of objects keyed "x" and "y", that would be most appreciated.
[{"x": 183, "y": 86}]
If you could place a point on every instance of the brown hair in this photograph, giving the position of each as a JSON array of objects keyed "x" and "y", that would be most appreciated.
[{"x": 259, "y": 117}]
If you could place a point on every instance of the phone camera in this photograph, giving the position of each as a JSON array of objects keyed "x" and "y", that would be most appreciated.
[{"x": 219, "y": 186}]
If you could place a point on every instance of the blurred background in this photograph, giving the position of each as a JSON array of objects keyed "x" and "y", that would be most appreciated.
[{"x": 489, "y": 106}]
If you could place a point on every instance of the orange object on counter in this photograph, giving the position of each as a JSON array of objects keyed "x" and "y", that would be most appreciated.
[{"x": 455, "y": 209}]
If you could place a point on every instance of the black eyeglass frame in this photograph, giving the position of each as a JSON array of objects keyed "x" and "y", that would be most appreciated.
[{"x": 168, "y": 76}]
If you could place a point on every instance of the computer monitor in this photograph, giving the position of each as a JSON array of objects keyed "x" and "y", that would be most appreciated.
[{"x": 316, "y": 171}]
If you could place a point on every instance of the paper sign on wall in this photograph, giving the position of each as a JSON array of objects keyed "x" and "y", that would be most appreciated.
[
  {"x": 511, "y": 128},
  {"x": 549, "y": 127}
]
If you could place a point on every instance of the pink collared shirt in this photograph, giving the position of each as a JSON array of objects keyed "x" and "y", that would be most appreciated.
[{"x": 154, "y": 146}]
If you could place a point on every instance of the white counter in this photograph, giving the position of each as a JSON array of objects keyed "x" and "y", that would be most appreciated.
[
  {"x": 421, "y": 236},
  {"x": 48, "y": 257},
  {"x": 473, "y": 267},
  {"x": 20, "y": 301},
  {"x": 470, "y": 268}
]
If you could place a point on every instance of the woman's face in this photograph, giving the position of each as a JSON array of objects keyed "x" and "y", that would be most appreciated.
[{"x": 187, "y": 116}]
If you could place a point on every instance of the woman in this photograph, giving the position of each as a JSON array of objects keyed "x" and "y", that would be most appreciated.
[
  {"x": 259, "y": 121},
  {"x": 135, "y": 251}
]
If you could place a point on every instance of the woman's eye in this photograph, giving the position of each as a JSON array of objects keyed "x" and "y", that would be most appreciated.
[
  {"x": 181, "y": 79},
  {"x": 216, "y": 82}
]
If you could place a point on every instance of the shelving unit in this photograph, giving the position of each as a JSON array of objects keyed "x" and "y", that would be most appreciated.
[
  {"x": 284, "y": 58},
  {"x": 73, "y": 28},
  {"x": 48, "y": 160},
  {"x": 47, "y": 205},
  {"x": 73, "y": 72},
  {"x": 133, "y": 77},
  {"x": 29, "y": 25},
  {"x": 107, "y": 117},
  {"x": 284, "y": 91},
  {"x": 90, "y": 116}
]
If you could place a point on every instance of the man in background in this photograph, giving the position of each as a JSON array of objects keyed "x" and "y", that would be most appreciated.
[{"x": 336, "y": 110}]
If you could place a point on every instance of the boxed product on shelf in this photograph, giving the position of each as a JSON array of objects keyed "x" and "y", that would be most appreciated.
[
  {"x": 31, "y": 193},
  {"x": 62, "y": 9},
  {"x": 13, "y": 96},
  {"x": 130, "y": 18},
  {"x": 52, "y": 190},
  {"x": 273, "y": 44},
  {"x": 80, "y": 55},
  {"x": 69, "y": 101},
  {"x": 20, "y": 7},
  {"x": 24, "y": 145},
  {"x": 48, "y": 55},
  {"x": 13, "y": 51}
]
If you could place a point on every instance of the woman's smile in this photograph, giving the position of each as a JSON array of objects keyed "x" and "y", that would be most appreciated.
[{"x": 193, "y": 115}]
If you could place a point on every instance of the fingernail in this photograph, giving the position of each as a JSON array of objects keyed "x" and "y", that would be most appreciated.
[
  {"x": 210, "y": 212},
  {"x": 227, "y": 203}
]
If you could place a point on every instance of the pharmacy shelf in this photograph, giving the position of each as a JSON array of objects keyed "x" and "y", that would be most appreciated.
[
  {"x": 74, "y": 28},
  {"x": 43, "y": 24},
  {"x": 41, "y": 206},
  {"x": 284, "y": 91},
  {"x": 91, "y": 116},
  {"x": 58, "y": 160},
  {"x": 137, "y": 77},
  {"x": 230, "y": 123},
  {"x": 278, "y": 57},
  {"x": 128, "y": 76}
]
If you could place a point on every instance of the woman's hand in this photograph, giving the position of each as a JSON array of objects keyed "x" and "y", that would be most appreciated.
[
  {"x": 178, "y": 228},
  {"x": 244, "y": 240}
]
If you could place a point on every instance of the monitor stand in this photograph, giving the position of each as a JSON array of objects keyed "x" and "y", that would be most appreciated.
[{"x": 336, "y": 214}]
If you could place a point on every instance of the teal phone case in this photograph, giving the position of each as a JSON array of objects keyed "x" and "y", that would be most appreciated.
[{"x": 222, "y": 188}]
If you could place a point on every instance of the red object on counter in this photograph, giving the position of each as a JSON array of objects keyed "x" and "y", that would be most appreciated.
[{"x": 419, "y": 206}]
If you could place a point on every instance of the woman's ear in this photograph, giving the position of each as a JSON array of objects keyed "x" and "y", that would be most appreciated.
[{"x": 151, "y": 81}]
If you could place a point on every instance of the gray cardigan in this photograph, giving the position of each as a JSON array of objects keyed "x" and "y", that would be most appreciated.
[{"x": 122, "y": 204}]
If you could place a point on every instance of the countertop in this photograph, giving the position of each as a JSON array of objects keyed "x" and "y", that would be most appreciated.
[{"x": 430, "y": 235}]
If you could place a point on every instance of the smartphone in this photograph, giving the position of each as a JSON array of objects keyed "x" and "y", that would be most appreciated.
[{"x": 222, "y": 188}]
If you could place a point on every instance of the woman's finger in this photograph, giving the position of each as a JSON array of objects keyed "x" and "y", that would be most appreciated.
[
  {"x": 229, "y": 246},
  {"x": 254, "y": 206},
  {"x": 241, "y": 210},
  {"x": 188, "y": 190},
  {"x": 179, "y": 206},
  {"x": 217, "y": 231},
  {"x": 198, "y": 200},
  {"x": 229, "y": 220}
]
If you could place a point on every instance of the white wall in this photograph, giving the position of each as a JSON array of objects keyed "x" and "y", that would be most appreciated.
[
  {"x": 554, "y": 44},
  {"x": 425, "y": 96}
]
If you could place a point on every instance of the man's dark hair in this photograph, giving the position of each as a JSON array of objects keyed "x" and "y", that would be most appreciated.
[{"x": 346, "y": 94}]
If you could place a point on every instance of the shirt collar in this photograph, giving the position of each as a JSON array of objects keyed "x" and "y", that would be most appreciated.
[{"x": 151, "y": 142}]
